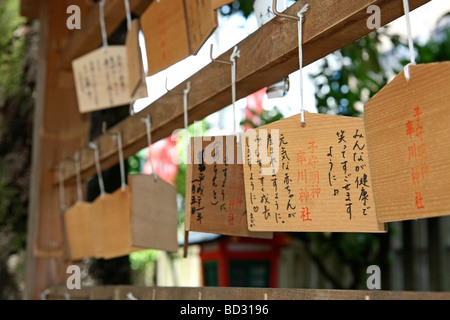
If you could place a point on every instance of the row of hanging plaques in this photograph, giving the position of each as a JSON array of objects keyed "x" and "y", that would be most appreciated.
[
  {"x": 336, "y": 174},
  {"x": 113, "y": 75},
  {"x": 125, "y": 221}
]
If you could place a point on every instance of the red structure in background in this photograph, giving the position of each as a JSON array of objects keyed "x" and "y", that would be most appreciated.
[
  {"x": 254, "y": 108},
  {"x": 161, "y": 157},
  {"x": 242, "y": 262}
]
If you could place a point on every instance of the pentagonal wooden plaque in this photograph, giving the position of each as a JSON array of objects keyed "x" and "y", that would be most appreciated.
[
  {"x": 313, "y": 178},
  {"x": 408, "y": 136}
]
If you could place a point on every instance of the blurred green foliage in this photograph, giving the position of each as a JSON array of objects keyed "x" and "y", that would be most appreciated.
[{"x": 17, "y": 71}]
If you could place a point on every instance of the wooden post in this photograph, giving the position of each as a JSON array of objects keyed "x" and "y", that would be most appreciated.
[{"x": 58, "y": 131}]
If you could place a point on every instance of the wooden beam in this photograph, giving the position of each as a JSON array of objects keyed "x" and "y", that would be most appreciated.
[
  {"x": 227, "y": 293},
  {"x": 89, "y": 37},
  {"x": 267, "y": 55}
]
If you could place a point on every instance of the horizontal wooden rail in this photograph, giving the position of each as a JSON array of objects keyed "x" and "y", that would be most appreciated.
[
  {"x": 267, "y": 55},
  {"x": 226, "y": 293}
]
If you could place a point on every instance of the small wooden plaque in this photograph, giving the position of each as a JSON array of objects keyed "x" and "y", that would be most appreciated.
[
  {"x": 202, "y": 21},
  {"x": 408, "y": 135},
  {"x": 215, "y": 195},
  {"x": 111, "y": 225},
  {"x": 154, "y": 213},
  {"x": 165, "y": 31},
  {"x": 175, "y": 29},
  {"x": 314, "y": 178},
  {"x": 101, "y": 79},
  {"x": 79, "y": 231}
]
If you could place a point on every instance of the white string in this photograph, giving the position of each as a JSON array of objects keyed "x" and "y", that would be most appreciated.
[
  {"x": 300, "y": 58},
  {"x": 94, "y": 147},
  {"x": 128, "y": 13},
  {"x": 121, "y": 162},
  {"x": 236, "y": 54},
  {"x": 148, "y": 125},
  {"x": 102, "y": 24},
  {"x": 185, "y": 103},
  {"x": 410, "y": 40},
  {"x": 185, "y": 108},
  {"x": 62, "y": 200},
  {"x": 78, "y": 176}
]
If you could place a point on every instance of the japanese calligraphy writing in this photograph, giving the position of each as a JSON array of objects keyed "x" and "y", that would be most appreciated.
[
  {"x": 417, "y": 155},
  {"x": 323, "y": 182},
  {"x": 216, "y": 192},
  {"x": 102, "y": 79}
]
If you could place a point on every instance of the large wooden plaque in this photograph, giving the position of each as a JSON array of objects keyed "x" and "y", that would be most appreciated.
[
  {"x": 408, "y": 136},
  {"x": 313, "y": 178}
]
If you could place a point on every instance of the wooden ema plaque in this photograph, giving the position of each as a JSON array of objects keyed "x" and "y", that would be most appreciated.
[
  {"x": 215, "y": 196},
  {"x": 175, "y": 29},
  {"x": 314, "y": 178},
  {"x": 111, "y": 225},
  {"x": 408, "y": 134},
  {"x": 79, "y": 231},
  {"x": 102, "y": 79},
  {"x": 143, "y": 216},
  {"x": 154, "y": 213}
]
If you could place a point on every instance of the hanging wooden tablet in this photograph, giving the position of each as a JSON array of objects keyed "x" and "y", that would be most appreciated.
[
  {"x": 175, "y": 29},
  {"x": 136, "y": 72},
  {"x": 201, "y": 21},
  {"x": 102, "y": 79},
  {"x": 111, "y": 225},
  {"x": 408, "y": 135},
  {"x": 215, "y": 196},
  {"x": 313, "y": 178},
  {"x": 154, "y": 213},
  {"x": 79, "y": 232}
]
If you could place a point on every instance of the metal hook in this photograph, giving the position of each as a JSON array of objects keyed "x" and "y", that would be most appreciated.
[
  {"x": 217, "y": 60},
  {"x": 283, "y": 15},
  {"x": 185, "y": 91}
]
